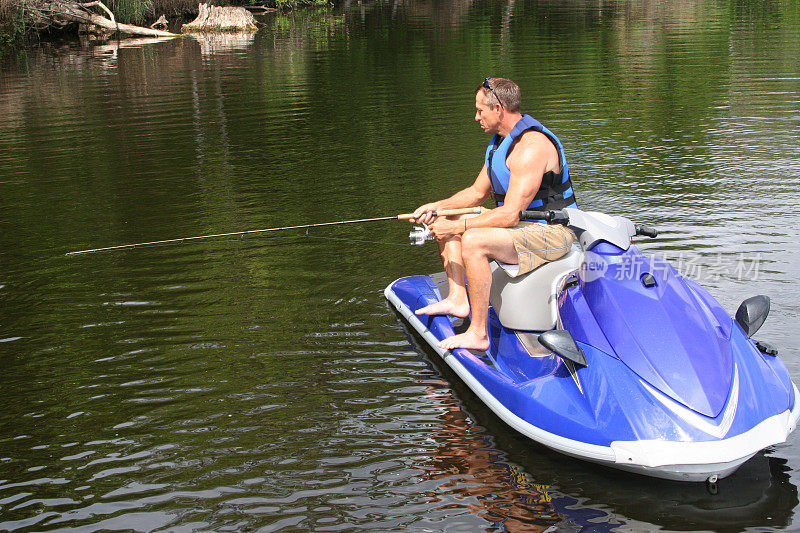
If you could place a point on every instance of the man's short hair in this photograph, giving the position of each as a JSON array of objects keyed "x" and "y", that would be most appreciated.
[{"x": 503, "y": 89}]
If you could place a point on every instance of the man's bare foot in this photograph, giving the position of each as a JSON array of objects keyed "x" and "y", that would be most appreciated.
[
  {"x": 445, "y": 307},
  {"x": 469, "y": 340}
]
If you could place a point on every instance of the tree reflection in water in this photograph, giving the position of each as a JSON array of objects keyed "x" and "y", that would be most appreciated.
[
  {"x": 477, "y": 477},
  {"x": 491, "y": 471}
]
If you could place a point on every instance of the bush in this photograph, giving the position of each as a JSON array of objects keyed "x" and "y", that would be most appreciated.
[
  {"x": 133, "y": 11},
  {"x": 11, "y": 22},
  {"x": 170, "y": 8}
]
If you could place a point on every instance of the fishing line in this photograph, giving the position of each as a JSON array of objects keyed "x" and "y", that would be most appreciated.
[
  {"x": 353, "y": 240},
  {"x": 241, "y": 234}
]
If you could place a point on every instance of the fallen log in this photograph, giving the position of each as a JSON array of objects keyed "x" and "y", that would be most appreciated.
[
  {"x": 221, "y": 19},
  {"x": 59, "y": 13}
]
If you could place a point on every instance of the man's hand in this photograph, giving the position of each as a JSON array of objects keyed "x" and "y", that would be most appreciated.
[
  {"x": 424, "y": 213},
  {"x": 443, "y": 228}
]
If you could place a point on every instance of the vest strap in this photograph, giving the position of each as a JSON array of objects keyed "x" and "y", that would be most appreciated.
[
  {"x": 551, "y": 202},
  {"x": 552, "y": 189}
]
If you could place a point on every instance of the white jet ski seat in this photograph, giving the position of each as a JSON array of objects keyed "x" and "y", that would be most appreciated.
[{"x": 529, "y": 302}]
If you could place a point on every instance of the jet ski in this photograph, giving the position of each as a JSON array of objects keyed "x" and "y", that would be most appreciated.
[{"x": 611, "y": 356}]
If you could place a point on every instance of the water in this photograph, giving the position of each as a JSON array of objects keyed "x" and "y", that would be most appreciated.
[{"x": 263, "y": 383}]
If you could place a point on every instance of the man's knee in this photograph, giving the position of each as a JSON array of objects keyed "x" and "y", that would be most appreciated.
[
  {"x": 488, "y": 243},
  {"x": 468, "y": 241},
  {"x": 474, "y": 242}
]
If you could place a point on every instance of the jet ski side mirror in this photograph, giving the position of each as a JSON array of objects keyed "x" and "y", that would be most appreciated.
[
  {"x": 561, "y": 343},
  {"x": 752, "y": 313}
]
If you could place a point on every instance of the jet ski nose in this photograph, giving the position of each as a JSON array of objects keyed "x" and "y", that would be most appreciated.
[{"x": 687, "y": 355}]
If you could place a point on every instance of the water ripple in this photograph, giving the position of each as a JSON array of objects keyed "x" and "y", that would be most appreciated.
[{"x": 263, "y": 383}]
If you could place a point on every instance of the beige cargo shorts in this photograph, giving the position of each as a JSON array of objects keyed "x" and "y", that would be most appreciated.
[{"x": 537, "y": 244}]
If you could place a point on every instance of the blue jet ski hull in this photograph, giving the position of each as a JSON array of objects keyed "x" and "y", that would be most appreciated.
[{"x": 624, "y": 410}]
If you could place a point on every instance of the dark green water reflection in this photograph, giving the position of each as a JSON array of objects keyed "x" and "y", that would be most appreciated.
[{"x": 263, "y": 383}]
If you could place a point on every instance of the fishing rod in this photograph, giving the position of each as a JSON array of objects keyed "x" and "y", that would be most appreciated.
[{"x": 404, "y": 216}]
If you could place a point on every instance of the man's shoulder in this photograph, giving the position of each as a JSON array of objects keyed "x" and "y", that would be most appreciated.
[
  {"x": 533, "y": 137},
  {"x": 531, "y": 143}
]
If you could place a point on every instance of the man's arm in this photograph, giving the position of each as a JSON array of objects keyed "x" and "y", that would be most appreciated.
[
  {"x": 528, "y": 162},
  {"x": 472, "y": 196}
]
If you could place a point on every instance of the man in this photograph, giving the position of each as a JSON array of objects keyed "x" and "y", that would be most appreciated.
[{"x": 525, "y": 168}]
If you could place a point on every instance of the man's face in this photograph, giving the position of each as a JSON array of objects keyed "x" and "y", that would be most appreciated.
[{"x": 488, "y": 116}]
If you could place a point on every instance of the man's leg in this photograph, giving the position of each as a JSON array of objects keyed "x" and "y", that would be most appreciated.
[
  {"x": 478, "y": 246},
  {"x": 456, "y": 303}
]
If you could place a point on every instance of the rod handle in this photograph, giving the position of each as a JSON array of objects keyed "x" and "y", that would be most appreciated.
[{"x": 446, "y": 212}]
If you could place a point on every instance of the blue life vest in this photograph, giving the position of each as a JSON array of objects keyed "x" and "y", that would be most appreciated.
[{"x": 555, "y": 192}]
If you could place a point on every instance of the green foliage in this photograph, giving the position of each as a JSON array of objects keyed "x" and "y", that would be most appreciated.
[
  {"x": 133, "y": 11},
  {"x": 292, "y": 4},
  {"x": 12, "y": 24}
]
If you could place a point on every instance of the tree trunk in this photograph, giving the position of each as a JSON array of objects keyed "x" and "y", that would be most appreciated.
[{"x": 221, "y": 19}]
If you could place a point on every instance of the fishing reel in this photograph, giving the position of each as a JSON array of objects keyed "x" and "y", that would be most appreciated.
[{"x": 420, "y": 235}]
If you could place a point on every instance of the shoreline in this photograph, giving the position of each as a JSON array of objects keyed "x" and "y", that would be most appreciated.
[{"x": 17, "y": 33}]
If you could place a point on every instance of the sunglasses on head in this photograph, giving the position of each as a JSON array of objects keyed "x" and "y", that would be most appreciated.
[{"x": 489, "y": 86}]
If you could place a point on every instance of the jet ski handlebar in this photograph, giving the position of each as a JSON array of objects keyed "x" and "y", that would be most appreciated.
[
  {"x": 562, "y": 217},
  {"x": 647, "y": 231},
  {"x": 551, "y": 217}
]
